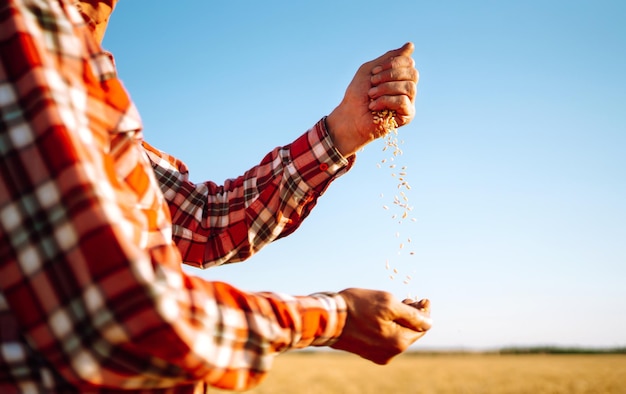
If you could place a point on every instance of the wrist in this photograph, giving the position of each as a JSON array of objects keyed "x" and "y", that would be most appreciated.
[{"x": 338, "y": 126}]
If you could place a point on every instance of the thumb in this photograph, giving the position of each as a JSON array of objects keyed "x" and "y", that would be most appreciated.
[
  {"x": 412, "y": 318},
  {"x": 405, "y": 50}
]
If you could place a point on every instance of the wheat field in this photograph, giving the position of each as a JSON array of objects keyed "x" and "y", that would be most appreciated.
[{"x": 446, "y": 373}]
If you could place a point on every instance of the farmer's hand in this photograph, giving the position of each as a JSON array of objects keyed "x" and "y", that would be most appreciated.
[
  {"x": 379, "y": 327},
  {"x": 388, "y": 82}
]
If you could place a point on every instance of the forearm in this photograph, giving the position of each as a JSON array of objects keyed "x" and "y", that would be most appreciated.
[{"x": 216, "y": 224}]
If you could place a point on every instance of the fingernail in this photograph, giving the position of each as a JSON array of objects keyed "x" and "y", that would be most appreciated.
[
  {"x": 424, "y": 304},
  {"x": 372, "y": 92},
  {"x": 377, "y": 69}
]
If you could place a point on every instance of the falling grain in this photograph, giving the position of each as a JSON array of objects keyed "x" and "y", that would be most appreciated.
[{"x": 387, "y": 127}]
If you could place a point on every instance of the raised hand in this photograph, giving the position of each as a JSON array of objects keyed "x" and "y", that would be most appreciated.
[{"x": 388, "y": 82}]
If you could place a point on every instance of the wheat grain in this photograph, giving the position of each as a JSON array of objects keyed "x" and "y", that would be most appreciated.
[{"x": 387, "y": 127}]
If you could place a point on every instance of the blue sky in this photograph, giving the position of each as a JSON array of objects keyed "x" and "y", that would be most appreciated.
[{"x": 516, "y": 155}]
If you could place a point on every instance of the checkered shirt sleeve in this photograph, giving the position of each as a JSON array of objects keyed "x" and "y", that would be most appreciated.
[
  {"x": 93, "y": 297},
  {"x": 215, "y": 224}
]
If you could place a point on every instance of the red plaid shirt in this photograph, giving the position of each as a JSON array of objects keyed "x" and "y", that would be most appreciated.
[{"x": 93, "y": 297}]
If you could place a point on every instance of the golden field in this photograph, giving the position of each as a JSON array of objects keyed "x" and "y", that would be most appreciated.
[{"x": 446, "y": 373}]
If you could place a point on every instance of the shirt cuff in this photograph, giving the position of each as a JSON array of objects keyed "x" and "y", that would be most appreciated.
[
  {"x": 322, "y": 329},
  {"x": 316, "y": 158}
]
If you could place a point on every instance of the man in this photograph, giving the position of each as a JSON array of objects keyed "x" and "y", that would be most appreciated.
[{"x": 95, "y": 223}]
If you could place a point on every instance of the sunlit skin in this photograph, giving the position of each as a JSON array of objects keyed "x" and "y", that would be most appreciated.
[
  {"x": 378, "y": 326},
  {"x": 389, "y": 82}
]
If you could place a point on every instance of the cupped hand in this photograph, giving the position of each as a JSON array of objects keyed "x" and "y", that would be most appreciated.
[
  {"x": 388, "y": 82},
  {"x": 379, "y": 327}
]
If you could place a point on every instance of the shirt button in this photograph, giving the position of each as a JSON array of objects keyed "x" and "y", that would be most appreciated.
[{"x": 323, "y": 167}]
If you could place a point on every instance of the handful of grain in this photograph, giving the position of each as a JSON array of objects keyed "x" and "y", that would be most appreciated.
[{"x": 386, "y": 121}]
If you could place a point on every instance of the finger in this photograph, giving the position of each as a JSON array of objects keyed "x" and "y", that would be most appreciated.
[
  {"x": 423, "y": 304},
  {"x": 405, "y": 50},
  {"x": 424, "y": 309},
  {"x": 412, "y": 318},
  {"x": 395, "y": 74},
  {"x": 407, "y": 88},
  {"x": 395, "y": 63},
  {"x": 402, "y": 105}
]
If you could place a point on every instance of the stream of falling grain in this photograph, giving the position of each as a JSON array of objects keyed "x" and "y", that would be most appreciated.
[{"x": 400, "y": 207}]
